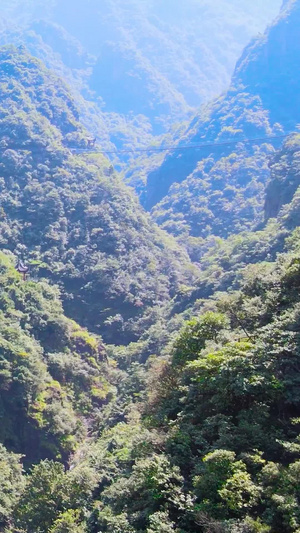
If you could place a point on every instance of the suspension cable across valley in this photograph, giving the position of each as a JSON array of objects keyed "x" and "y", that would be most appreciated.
[{"x": 197, "y": 146}]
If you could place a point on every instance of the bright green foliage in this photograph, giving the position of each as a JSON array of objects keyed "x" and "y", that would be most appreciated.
[
  {"x": 153, "y": 485},
  {"x": 42, "y": 498},
  {"x": 224, "y": 486},
  {"x": 235, "y": 401},
  {"x": 239, "y": 492},
  {"x": 54, "y": 500},
  {"x": 68, "y": 522},
  {"x": 192, "y": 340},
  {"x": 160, "y": 523}
]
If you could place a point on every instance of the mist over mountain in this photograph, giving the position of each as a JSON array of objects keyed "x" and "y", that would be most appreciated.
[
  {"x": 197, "y": 66},
  {"x": 129, "y": 57}
]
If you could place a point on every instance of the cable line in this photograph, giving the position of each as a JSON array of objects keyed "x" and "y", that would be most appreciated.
[
  {"x": 180, "y": 148},
  {"x": 152, "y": 149}
]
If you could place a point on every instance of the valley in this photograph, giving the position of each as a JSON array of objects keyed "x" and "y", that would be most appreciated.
[{"x": 149, "y": 373}]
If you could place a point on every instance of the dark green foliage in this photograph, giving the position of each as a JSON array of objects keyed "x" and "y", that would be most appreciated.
[
  {"x": 220, "y": 198},
  {"x": 54, "y": 500},
  {"x": 76, "y": 221},
  {"x": 237, "y": 414},
  {"x": 48, "y": 380},
  {"x": 218, "y": 446},
  {"x": 11, "y": 484},
  {"x": 221, "y": 426}
]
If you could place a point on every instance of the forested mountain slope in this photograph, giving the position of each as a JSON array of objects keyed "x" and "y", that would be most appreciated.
[
  {"x": 128, "y": 57},
  {"x": 73, "y": 65},
  {"x": 71, "y": 215},
  {"x": 52, "y": 372},
  {"x": 223, "y": 260},
  {"x": 196, "y": 63},
  {"x": 215, "y": 446},
  {"x": 219, "y": 189},
  {"x": 187, "y": 419}
]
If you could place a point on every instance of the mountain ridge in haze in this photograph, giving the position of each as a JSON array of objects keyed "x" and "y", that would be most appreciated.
[
  {"x": 262, "y": 101},
  {"x": 133, "y": 47}
]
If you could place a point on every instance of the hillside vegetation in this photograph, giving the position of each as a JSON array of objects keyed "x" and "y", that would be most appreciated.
[
  {"x": 212, "y": 444},
  {"x": 52, "y": 372},
  {"x": 149, "y": 376},
  {"x": 124, "y": 57},
  {"x": 217, "y": 190},
  {"x": 72, "y": 217}
]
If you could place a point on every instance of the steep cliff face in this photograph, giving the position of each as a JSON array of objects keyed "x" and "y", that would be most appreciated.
[
  {"x": 285, "y": 178},
  {"x": 269, "y": 67},
  {"x": 263, "y": 100}
]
